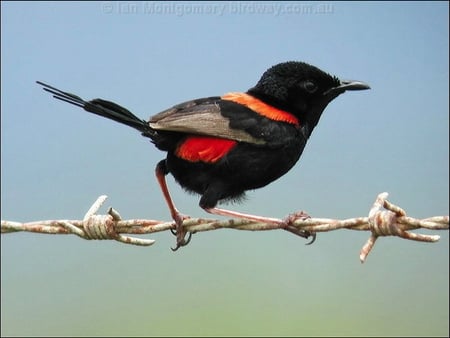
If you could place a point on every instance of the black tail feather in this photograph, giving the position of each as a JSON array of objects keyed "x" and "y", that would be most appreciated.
[{"x": 101, "y": 107}]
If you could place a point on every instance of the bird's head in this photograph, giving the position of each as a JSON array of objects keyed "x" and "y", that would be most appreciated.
[{"x": 301, "y": 89}]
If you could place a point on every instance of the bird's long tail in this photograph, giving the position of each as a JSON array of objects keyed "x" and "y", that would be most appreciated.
[{"x": 103, "y": 108}]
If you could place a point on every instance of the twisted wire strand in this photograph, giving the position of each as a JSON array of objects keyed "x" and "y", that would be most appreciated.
[{"x": 385, "y": 219}]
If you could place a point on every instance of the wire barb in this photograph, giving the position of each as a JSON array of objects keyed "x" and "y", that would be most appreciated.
[{"x": 385, "y": 219}]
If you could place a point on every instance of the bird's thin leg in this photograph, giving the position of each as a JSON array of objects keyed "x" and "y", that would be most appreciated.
[
  {"x": 230, "y": 213},
  {"x": 161, "y": 172},
  {"x": 286, "y": 223}
]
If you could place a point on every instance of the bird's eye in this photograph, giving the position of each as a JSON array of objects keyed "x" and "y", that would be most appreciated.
[{"x": 309, "y": 86}]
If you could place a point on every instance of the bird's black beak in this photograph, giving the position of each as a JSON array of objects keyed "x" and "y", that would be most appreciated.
[
  {"x": 346, "y": 85},
  {"x": 353, "y": 85}
]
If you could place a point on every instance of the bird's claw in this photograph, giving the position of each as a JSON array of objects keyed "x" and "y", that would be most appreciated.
[
  {"x": 181, "y": 240},
  {"x": 313, "y": 235},
  {"x": 289, "y": 220},
  {"x": 180, "y": 232}
]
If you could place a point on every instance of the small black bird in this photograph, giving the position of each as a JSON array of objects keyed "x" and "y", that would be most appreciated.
[{"x": 221, "y": 146}]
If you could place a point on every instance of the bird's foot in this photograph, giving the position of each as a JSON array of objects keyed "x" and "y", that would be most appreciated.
[
  {"x": 289, "y": 220},
  {"x": 180, "y": 232}
]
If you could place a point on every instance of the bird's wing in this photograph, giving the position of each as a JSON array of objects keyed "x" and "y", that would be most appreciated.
[{"x": 203, "y": 117}]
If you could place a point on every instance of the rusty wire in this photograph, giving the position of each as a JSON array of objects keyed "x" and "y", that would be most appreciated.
[{"x": 384, "y": 219}]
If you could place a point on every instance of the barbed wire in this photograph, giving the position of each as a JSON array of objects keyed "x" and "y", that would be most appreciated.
[{"x": 385, "y": 219}]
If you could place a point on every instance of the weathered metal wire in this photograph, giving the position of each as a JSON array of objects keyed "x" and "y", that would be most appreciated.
[{"x": 385, "y": 219}]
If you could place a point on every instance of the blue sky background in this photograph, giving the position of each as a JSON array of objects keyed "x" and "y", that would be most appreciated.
[{"x": 147, "y": 56}]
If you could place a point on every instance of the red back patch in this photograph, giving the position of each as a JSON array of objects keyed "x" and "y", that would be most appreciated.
[
  {"x": 261, "y": 107},
  {"x": 204, "y": 148}
]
